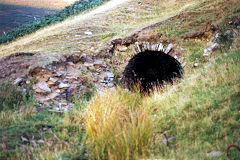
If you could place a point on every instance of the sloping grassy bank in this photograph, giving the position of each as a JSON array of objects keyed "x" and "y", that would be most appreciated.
[
  {"x": 200, "y": 114},
  {"x": 33, "y": 131},
  {"x": 71, "y": 10}
]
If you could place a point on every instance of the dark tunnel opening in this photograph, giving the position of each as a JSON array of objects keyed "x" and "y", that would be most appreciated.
[{"x": 150, "y": 69}]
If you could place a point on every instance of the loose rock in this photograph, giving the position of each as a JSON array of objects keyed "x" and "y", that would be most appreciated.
[
  {"x": 53, "y": 95},
  {"x": 214, "y": 46},
  {"x": 169, "y": 48},
  {"x": 18, "y": 80},
  {"x": 40, "y": 141},
  {"x": 195, "y": 65},
  {"x": 210, "y": 43},
  {"x": 53, "y": 80},
  {"x": 122, "y": 48},
  {"x": 88, "y": 33},
  {"x": 108, "y": 76},
  {"x": 206, "y": 52},
  {"x": 97, "y": 64},
  {"x": 58, "y": 91},
  {"x": 64, "y": 85},
  {"x": 60, "y": 73},
  {"x": 24, "y": 139},
  {"x": 215, "y": 154},
  {"x": 43, "y": 86}
]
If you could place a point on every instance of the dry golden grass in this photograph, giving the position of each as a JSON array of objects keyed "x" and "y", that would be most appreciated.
[{"x": 118, "y": 126}]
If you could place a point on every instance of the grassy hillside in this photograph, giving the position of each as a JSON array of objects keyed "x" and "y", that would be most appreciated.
[
  {"x": 200, "y": 113},
  {"x": 194, "y": 118},
  {"x": 71, "y": 10},
  {"x": 53, "y": 4}
]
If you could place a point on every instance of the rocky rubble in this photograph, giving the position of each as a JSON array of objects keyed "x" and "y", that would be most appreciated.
[
  {"x": 212, "y": 45},
  {"x": 58, "y": 83}
]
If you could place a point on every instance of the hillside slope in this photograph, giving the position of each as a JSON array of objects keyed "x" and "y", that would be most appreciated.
[
  {"x": 197, "y": 117},
  {"x": 54, "y": 4}
]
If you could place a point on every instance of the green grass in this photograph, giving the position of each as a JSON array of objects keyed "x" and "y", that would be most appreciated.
[
  {"x": 201, "y": 112},
  {"x": 209, "y": 116},
  {"x": 28, "y": 126},
  {"x": 62, "y": 135},
  {"x": 12, "y": 96},
  {"x": 196, "y": 50}
]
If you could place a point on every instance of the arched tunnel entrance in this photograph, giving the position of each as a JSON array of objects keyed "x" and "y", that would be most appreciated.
[{"x": 149, "y": 69}]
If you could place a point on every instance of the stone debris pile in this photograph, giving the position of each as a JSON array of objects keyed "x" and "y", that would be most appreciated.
[
  {"x": 212, "y": 45},
  {"x": 58, "y": 83}
]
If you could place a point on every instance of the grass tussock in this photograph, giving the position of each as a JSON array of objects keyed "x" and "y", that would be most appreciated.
[{"x": 118, "y": 126}]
